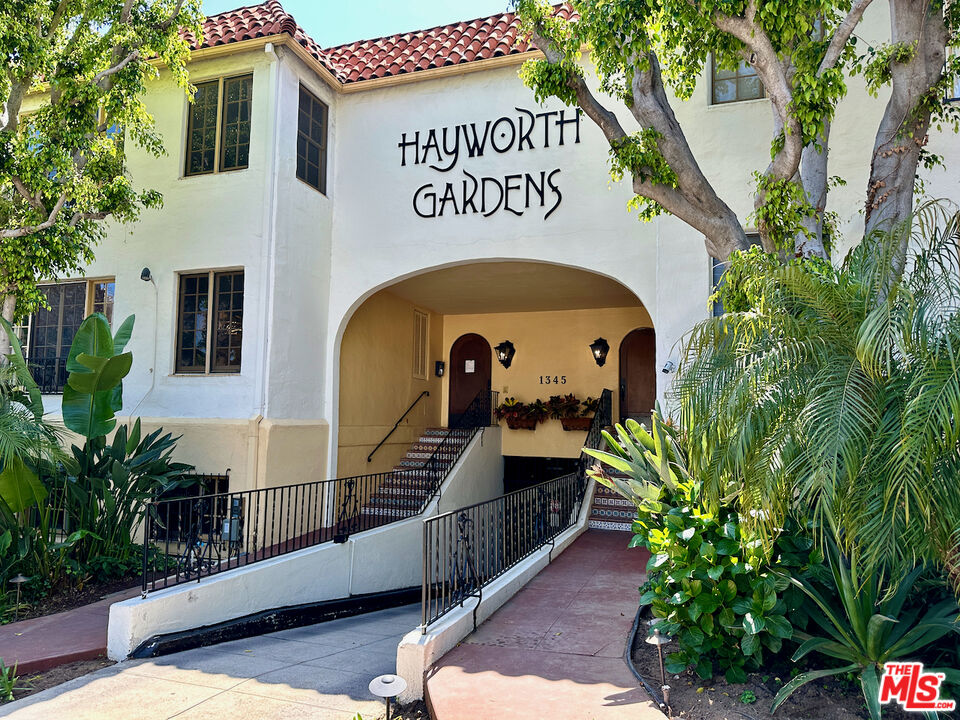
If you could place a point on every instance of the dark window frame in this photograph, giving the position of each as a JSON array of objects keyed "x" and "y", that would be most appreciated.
[
  {"x": 210, "y": 330},
  {"x": 220, "y": 126},
  {"x": 736, "y": 77},
  {"x": 306, "y": 138}
]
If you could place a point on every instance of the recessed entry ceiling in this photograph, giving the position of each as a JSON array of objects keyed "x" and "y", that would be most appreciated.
[{"x": 498, "y": 287}]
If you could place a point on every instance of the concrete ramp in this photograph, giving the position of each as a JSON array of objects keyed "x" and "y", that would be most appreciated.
[{"x": 382, "y": 559}]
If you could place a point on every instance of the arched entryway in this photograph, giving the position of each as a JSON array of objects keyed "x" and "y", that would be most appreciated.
[
  {"x": 470, "y": 357},
  {"x": 638, "y": 374}
]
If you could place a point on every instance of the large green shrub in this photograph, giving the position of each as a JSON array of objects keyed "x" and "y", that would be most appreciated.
[
  {"x": 834, "y": 393},
  {"x": 721, "y": 591}
]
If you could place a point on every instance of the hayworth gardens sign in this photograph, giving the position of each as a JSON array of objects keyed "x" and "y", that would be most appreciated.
[{"x": 444, "y": 149}]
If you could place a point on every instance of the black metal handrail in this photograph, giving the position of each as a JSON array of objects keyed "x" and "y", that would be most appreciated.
[
  {"x": 466, "y": 549},
  {"x": 602, "y": 418},
  {"x": 50, "y": 374},
  {"x": 189, "y": 538},
  {"x": 397, "y": 424}
]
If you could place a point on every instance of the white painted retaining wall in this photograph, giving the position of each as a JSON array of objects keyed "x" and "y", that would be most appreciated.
[
  {"x": 386, "y": 558},
  {"x": 419, "y": 651}
]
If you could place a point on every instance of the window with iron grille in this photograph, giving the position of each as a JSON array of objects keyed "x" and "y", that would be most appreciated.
[
  {"x": 312, "y": 141},
  {"x": 218, "y": 126},
  {"x": 210, "y": 322},
  {"x": 734, "y": 85}
]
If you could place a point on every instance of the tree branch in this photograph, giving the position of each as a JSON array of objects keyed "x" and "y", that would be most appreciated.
[
  {"x": 104, "y": 74},
  {"x": 30, "y": 229},
  {"x": 33, "y": 200},
  {"x": 842, "y": 35}
]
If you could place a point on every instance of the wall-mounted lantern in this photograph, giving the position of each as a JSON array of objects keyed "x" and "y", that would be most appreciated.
[
  {"x": 439, "y": 367},
  {"x": 505, "y": 353},
  {"x": 600, "y": 348}
]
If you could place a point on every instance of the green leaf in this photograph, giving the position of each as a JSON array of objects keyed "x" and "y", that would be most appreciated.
[
  {"x": 736, "y": 675},
  {"x": 749, "y": 644},
  {"x": 19, "y": 364},
  {"x": 788, "y": 689},
  {"x": 753, "y": 623},
  {"x": 728, "y": 547},
  {"x": 870, "y": 682},
  {"x": 779, "y": 626},
  {"x": 122, "y": 336},
  {"x": 20, "y": 488},
  {"x": 104, "y": 373},
  {"x": 92, "y": 338},
  {"x": 715, "y": 572}
]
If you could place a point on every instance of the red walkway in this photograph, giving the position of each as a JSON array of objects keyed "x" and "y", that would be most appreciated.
[
  {"x": 45, "y": 642},
  {"x": 555, "y": 650}
]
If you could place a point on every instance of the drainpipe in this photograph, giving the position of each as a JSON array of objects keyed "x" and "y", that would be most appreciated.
[{"x": 268, "y": 265}]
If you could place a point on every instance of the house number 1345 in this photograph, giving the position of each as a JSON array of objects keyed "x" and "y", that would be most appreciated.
[{"x": 553, "y": 379}]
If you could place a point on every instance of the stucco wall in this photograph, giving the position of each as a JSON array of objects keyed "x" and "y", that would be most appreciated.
[
  {"x": 377, "y": 384},
  {"x": 550, "y": 344}
]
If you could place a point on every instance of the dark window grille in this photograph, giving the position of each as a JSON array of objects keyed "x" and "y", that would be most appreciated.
[
  {"x": 312, "y": 141},
  {"x": 202, "y": 129},
  {"x": 194, "y": 315},
  {"x": 218, "y": 126},
  {"x": 210, "y": 324},
  {"x": 229, "y": 319},
  {"x": 238, "y": 93}
]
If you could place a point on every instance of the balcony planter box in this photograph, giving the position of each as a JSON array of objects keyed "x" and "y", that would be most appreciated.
[
  {"x": 576, "y": 424},
  {"x": 521, "y": 423}
]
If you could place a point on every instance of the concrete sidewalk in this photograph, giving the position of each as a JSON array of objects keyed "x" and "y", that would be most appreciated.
[
  {"x": 555, "y": 650},
  {"x": 320, "y": 672}
]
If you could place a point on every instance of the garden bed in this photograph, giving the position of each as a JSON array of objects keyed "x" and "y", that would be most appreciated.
[
  {"x": 72, "y": 598},
  {"x": 693, "y": 698}
]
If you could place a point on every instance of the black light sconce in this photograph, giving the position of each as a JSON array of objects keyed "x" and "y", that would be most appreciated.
[
  {"x": 146, "y": 275},
  {"x": 505, "y": 353},
  {"x": 600, "y": 348},
  {"x": 439, "y": 367}
]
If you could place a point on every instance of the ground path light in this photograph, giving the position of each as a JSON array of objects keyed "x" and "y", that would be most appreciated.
[
  {"x": 388, "y": 687},
  {"x": 660, "y": 640},
  {"x": 18, "y": 580}
]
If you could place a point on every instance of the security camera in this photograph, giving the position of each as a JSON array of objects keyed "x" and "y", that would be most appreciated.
[{"x": 668, "y": 367}]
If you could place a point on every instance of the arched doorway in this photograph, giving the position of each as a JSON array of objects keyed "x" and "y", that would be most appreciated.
[
  {"x": 470, "y": 357},
  {"x": 638, "y": 374}
]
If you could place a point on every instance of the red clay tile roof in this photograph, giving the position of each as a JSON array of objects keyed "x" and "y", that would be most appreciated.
[{"x": 445, "y": 45}]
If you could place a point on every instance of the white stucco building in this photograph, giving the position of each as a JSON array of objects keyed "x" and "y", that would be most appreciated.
[{"x": 337, "y": 222}]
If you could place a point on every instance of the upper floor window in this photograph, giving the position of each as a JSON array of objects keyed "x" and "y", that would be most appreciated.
[
  {"x": 735, "y": 85},
  {"x": 312, "y": 141},
  {"x": 218, "y": 126},
  {"x": 210, "y": 322}
]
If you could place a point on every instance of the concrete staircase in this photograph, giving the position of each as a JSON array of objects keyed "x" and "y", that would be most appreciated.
[
  {"x": 610, "y": 511},
  {"x": 411, "y": 481}
]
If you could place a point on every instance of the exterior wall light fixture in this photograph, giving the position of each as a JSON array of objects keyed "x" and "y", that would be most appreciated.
[
  {"x": 600, "y": 348},
  {"x": 145, "y": 275},
  {"x": 505, "y": 353},
  {"x": 439, "y": 367}
]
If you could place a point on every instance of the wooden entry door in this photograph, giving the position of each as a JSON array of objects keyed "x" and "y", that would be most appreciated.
[
  {"x": 638, "y": 374},
  {"x": 470, "y": 359}
]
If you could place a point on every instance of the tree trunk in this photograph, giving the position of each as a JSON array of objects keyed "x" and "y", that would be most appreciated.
[
  {"x": 9, "y": 307},
  {"x": 814, "y": 178},
  {"x": 917, "y": 24}
]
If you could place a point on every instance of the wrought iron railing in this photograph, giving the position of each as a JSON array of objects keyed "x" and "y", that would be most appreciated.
[
  {"x": 50, "y": 374},
  {"x": 466, "y": 549},
  {"x": 189, "y": 538},
  {"x": 602, "y": 418},
  {"x": 425, "y": 393}
]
